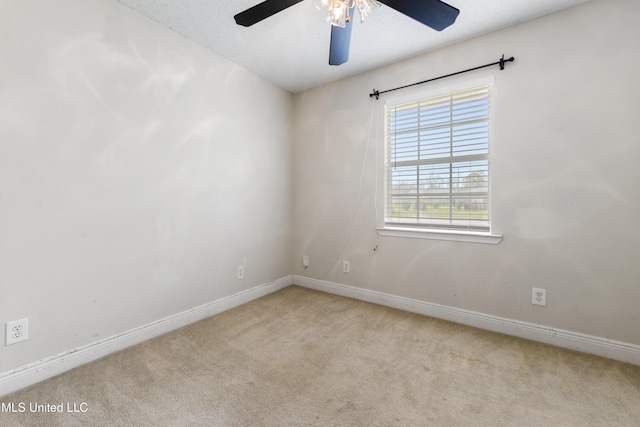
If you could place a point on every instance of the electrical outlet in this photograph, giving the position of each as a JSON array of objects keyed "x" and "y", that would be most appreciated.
[
  {"x": 240, "y": 272},
  {"x": 539, "y": 296},
  {"x": 17, "y": 331},
  {"x": 346, "y": 267},
  {"x": 305, "y": 261}
]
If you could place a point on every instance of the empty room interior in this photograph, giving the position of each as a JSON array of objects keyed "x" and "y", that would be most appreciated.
[{"x": 297, "y": 220}]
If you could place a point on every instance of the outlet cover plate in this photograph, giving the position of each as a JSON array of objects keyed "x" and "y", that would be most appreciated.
[
  {"x": 346, "y": 267},
  {"x": 17, "y": 331},
  {"x": 539, "y": 296}
]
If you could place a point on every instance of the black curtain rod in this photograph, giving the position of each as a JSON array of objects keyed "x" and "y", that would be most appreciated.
[{"x": 502, "y": 62}]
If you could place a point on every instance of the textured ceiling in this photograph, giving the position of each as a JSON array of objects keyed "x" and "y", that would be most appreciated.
[{"x": 291, "y": 48}]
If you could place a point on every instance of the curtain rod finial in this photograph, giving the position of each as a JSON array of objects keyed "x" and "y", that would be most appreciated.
[{"x": 503, "y": 61}]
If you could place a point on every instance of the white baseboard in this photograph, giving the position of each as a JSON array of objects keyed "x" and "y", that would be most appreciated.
[
  {"x": 32, "y": 373},
  {"x": 616, "y": 350}
]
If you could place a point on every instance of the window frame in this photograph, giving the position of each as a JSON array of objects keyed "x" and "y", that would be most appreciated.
[{"x": 424, "y": 231}]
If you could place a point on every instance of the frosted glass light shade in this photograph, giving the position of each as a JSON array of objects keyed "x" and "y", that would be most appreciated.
[
  {"x": 339, "y": 14},
  {"x": 366, "y": 7}
]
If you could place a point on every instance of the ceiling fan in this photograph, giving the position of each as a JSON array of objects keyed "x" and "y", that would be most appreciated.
[{"x": 432, "y": 13}]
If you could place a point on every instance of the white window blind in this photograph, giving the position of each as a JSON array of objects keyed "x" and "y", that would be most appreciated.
[{"x": 437, "y": 162}]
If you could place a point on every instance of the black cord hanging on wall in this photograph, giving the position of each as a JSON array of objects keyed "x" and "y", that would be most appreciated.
[{"x": 501, "y": 62}]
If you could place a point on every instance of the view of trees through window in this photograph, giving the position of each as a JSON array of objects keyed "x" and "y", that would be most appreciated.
[{"x": 437, "y": 161}]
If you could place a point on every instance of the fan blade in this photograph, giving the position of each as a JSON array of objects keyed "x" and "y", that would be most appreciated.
[
  {"x": 262, "y": 11},
  {"x": 432, "y": 13},
  {"x": 340, "y": 41}
]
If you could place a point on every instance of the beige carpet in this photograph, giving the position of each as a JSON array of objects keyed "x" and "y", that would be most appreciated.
[{"x": 304, "y": 358}]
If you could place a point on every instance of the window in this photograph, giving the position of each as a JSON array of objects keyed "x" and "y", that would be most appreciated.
[{"x": 437, "y": 163}]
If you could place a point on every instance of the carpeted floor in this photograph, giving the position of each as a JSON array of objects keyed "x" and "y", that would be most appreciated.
[{"x": 304, "y": 358}]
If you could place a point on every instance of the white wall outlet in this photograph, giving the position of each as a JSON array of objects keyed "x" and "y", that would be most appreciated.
[
  {"x": 305, "y": 261},
  {"x": 539, "y": 296},
  {"x": 240, "y": 272},
  {"x": 346, "y": 267},
  {"x": 17, "y": 330}
]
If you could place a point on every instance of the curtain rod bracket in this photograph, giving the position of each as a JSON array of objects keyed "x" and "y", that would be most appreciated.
[{"x": 502, "y": 62}]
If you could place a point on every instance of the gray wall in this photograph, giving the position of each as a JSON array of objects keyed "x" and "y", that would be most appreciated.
[
  {"x": 565, "y": 175},
  {"x": 137, "y": 171}
]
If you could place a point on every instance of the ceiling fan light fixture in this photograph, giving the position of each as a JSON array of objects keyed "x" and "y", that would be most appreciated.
[
  {"x": 339, "y": 14},
  {"x": 366, "y": 7}
]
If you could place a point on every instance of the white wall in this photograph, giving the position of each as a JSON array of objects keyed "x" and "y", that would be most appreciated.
[
  {"x": 137, "y": 170},
  {"x": 565, "y": 174}
]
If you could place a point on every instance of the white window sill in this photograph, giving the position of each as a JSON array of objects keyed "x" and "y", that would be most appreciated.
[{"x": 456, "y": 236}]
